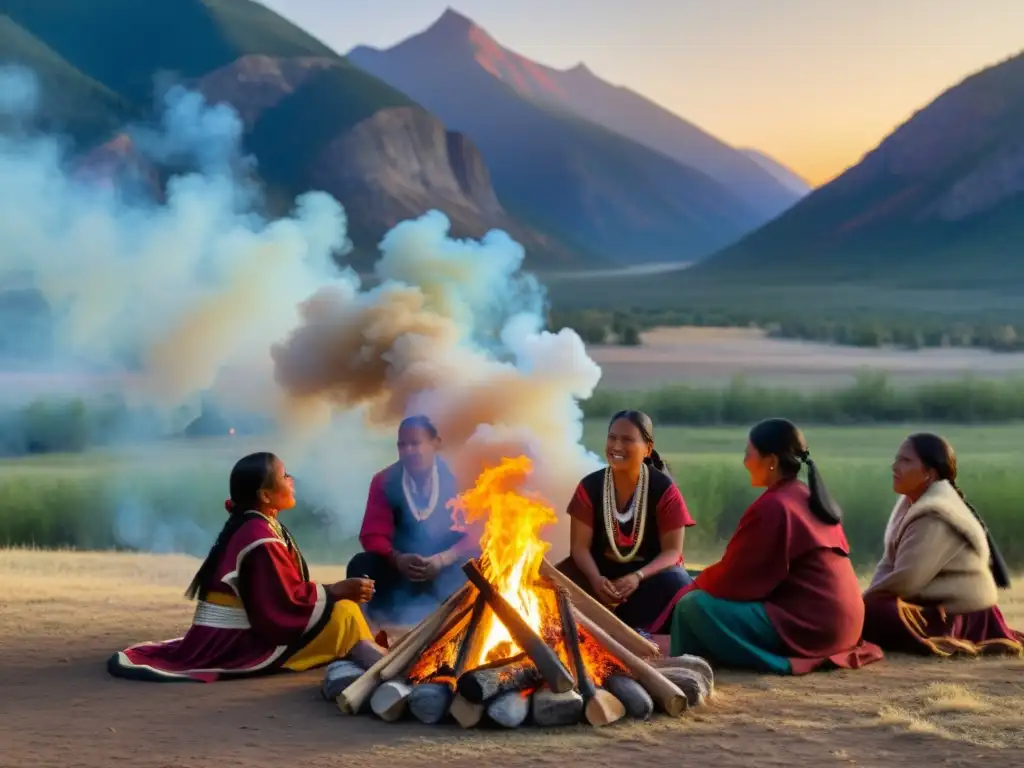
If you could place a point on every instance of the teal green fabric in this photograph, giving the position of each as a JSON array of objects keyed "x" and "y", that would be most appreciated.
[{"x": 728, "y": 633}]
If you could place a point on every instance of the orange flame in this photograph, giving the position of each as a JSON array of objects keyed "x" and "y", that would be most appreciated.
[{"x": 511, "y": 546}]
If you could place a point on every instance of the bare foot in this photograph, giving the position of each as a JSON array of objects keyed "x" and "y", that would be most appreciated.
[{"x": 366, "y": 653}]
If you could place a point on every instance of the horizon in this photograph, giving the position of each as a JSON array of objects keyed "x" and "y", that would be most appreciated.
[{"x": 816, "y": 120}]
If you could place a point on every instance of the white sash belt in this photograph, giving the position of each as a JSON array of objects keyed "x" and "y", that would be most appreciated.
[{"x": 220, "y": 616}]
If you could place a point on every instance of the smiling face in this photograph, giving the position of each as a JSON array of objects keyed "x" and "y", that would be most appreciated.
[
  {"x": 910, "y": 477},
  {"x": 625, "y": 448},
  {"x": 279, "y": 490}
]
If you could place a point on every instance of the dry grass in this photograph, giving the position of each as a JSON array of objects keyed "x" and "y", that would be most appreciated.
[
  {"x": 712, "y": 356},
  {"x": 62, "y": 613}
]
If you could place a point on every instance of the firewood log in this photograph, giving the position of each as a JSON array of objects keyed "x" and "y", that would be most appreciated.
[
  {"x": 694, "y": 664},
  {"x": 429, "y": 702},
  {"x": 543, "y": 656},
  {"x": 390, "y": 700},
  {"x": 552, "y": 709},
  {"x": 466, "y": 713},
  {"x": 601, "y": 707},
  {"x": 484, "y": 683},
  {"x": 400, "y": 661},
  {"x": 664, "y": 692},
  {"x": 338, "y": 676},
  {"x": 601, "y": 616},
  {"x": 689, "y": 682},
  {"x": 509, "y": 710},
  {"x": 469, "y": 649},
  {"x": 354, "y": 698},
  {"x": 634, "y": 697}
]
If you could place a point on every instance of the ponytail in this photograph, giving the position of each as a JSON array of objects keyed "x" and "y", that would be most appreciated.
[
  {"x": 997, "y": 564},
  {"x": 198, "y": 587},
  {"x": 821, "y": 502},
  {"x": 658, "y": 463}
]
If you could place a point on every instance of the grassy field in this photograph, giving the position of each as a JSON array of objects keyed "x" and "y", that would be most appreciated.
[{"x": 169, "y": 498}]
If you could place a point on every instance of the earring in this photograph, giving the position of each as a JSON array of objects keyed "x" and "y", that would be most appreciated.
[{"x": 771, "y": 468}]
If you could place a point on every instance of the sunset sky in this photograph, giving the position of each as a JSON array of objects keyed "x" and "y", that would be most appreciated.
[{"x": 814, "y": 83}]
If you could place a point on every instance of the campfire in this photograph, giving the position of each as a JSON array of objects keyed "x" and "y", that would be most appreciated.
[{"x": 519, "y": 641}]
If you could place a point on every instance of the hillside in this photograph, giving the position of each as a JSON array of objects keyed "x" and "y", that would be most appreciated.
[
  {"x": 939, "y": 203},
  {"x": 312, "y": 118},
  {"x": 555, "y": 168},
  {"x": 787, "y": 178},
  {"x": 624, "y": 111}
]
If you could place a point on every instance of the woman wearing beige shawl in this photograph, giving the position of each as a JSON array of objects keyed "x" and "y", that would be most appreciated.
[{"x": 935, "y": 589}]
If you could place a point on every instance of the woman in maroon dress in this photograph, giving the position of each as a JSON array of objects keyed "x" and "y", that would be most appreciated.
[
  {"x": 257, "y": 610},
  {"x": 784, "y": 598},
  {"x": 935, "y": 589},
  {"x": 627, "y": 528}
]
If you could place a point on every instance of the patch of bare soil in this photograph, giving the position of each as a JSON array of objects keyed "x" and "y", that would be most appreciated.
[{"x": 63, "y": 614}]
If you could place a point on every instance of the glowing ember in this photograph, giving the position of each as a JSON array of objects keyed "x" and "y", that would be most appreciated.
[{"x": 511, "y": 548}]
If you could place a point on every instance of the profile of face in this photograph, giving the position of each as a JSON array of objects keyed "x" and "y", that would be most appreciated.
[
  {"x": 625, "y": 447},
  {"x": 760, "y": 467},
  {"x": 910, "y": 476},
  {"x": 416, "y": 448},
  {"x": 279, "y": 490}
]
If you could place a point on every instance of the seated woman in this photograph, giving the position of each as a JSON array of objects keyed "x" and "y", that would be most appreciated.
[
  {"x": 784, "y": 598},
  {"x": 934, "y": 591},
  {"x": 629, "y": 554},
  {"x": 257, "y": 610},
  {"x": 411, "y": 550}
]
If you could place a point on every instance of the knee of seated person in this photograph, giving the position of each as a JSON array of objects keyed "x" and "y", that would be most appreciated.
[
  {"x": 692, "y": 606},
  {"x": 361, "y": 565}
]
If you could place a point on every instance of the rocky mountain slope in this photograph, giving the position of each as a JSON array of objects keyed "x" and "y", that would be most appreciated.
[{"x": 554, "y": 167}]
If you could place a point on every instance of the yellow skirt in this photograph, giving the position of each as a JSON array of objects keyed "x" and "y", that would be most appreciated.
[{"x": 346, "y": 627}]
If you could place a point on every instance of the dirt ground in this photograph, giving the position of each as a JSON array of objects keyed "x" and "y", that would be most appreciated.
[{"x": 63, "y": 614}]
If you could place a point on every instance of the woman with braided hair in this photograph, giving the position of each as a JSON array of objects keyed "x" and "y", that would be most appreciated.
[
  {"x": 626, "y": 528},
  {"x": 935, "y": 589},
  {"x": 257, "y": 611},
  {"x": 784, "y": 598}
]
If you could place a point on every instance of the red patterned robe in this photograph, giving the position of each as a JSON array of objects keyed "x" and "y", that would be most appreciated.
[{"x": 259, "y": 609}]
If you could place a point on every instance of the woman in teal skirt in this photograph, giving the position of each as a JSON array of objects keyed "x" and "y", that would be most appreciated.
[{"x": 784, "y": 598}]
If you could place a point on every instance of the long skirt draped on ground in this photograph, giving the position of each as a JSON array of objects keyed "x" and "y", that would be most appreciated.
[{"x": 903, "y": 627}]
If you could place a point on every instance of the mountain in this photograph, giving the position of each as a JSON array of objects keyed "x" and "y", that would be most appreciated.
[
  {"x": 938, "y": 203},
  {"x": 581, "y": 92},
  {"x": 312, "y": 119},
  {"x": 552, "y": 166},
  {"x": 787, "y": 178}
]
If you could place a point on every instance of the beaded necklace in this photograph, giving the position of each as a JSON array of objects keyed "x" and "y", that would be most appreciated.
[{"x": 637, "y": 511}]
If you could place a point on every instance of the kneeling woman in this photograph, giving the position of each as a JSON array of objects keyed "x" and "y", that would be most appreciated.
[
  {"x": 784, "y": 598},
  {"x": 257, "y": 610},
  {"x": 627, "y": 528},
  {"x": 934, "y": 591}
]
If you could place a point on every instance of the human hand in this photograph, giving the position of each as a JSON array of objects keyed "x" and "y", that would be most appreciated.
[
  {"x": 606, "y": 591},
  {"x": 432, "y": 567},
  {"x": 626, "y": 585},
  {"x": 411, "y": 566},
  {"x": 357, "y": 590}
]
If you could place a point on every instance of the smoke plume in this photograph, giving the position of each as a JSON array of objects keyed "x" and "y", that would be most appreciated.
[{"x": 207, "y": 298}]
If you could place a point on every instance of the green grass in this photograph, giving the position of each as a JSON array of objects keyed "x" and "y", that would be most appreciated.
[{"x": 179, "y": 488}]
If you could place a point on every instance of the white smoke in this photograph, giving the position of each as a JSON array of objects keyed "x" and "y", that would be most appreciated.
[{"x": 210, "y": 297}]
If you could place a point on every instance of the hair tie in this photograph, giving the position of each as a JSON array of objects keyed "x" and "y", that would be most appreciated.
[
  {"x": 229, "y": 505},
  {"x": 805, "y": 457}
]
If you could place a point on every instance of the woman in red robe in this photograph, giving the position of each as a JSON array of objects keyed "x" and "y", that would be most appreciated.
[
  {"x": 257, "y": 611},
  {"x": 784, "y": 598},
  {"x": 627, "y": 526},
  {"x": 935, "y": 590}
]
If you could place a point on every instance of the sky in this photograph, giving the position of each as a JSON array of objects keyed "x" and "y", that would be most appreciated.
[{"x": 814, "y": 83}]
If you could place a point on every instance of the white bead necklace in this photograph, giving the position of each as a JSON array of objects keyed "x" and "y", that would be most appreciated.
[{"x": 421, "y": 513}]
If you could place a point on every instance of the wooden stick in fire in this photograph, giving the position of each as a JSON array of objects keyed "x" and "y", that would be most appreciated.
[
  {"x": 601, "y": 706},
  {"x": 400, "y": 662},
  {"x": 662, "y": 690},
  {"x": 600, "y": 615},
  {"x": 354, "y": 697},
  {"x": 471, "y": 640},
  {"x": 548, "y": 664}
]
